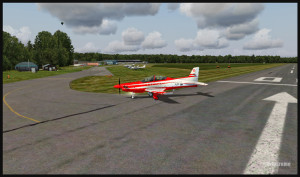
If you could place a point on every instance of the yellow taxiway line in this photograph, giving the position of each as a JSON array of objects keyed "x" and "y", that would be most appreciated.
[{"x": 14, "y": 110}]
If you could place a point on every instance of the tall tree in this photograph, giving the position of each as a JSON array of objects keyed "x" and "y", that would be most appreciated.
[
  {"x": 43, "y": 45},
  {"x": 64, "y": 41}
]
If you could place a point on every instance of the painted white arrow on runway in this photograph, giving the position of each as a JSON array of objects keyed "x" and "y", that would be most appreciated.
[{"x": 264, "y": 159}]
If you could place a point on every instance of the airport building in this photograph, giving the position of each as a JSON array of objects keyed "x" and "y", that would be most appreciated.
[
  {"x": 86, "y": 63},
  {"x": 110, "y": 62}
]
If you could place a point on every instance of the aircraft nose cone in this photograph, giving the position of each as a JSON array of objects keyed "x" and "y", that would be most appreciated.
[{"x": 117, "y": 86}]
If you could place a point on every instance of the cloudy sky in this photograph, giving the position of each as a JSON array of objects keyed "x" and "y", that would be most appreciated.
[{"x": 162, "y": 28}]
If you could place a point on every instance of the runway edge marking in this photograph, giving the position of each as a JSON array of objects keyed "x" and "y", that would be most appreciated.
[
  {"x": 14, "y": 110},
  {"x": 264, "y": 159}
]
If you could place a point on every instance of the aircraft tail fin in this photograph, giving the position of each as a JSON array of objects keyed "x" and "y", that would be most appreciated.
[{"x": 194, "y": 72}]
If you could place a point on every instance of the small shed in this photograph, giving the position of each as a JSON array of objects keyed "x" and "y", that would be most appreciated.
[
  {"x": 49, "y": 67},
  {"x": 26, "y": 66}
]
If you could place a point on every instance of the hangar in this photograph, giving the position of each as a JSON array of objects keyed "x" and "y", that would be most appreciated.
[{"x": 26, "y": 66}]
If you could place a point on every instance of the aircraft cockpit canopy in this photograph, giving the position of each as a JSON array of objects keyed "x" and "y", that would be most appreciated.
[{"x": 154, "y": 78}]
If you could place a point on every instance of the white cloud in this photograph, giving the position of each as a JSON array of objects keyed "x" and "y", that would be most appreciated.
[
  {"x": 134, "y": 40},
  {"x": 209, "y": 39},
  {"x": 221, "y": 14},
  {"x": 185, "y": 45},
  {"x": 233, "y": 21},
  {"x": 132, "y": 36},
  {"x": 120, "y": 46},
  {"x": 90, "y": 17},
  {"x": 85, "y": 29},
  {"x": 154, "y": 40},
  {"x": 23, "y": 34},
  {"x": 239, "y": 31},
  {"x": 262, "y": 40},
  {"x": 205, "y": 39},
  {"x": 88, "y": 48},
  {"x": 107, "y": 27}
]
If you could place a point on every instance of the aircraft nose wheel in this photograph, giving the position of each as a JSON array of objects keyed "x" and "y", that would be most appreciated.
[{"x": 132, "y": 96}]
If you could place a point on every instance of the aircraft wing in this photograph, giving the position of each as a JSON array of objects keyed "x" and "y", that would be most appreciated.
[{"x": 158, "y": 90}]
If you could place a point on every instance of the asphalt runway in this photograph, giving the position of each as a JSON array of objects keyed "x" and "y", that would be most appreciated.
[{"x": 217, "y": 129}]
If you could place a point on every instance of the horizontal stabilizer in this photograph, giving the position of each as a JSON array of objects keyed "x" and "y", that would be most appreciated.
[
  {"x": 183, "y": 81},
  {"x": 200, "y": 83}
]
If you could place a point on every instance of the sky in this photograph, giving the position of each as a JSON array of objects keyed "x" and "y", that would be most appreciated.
[{"x": 161, "y": 28}]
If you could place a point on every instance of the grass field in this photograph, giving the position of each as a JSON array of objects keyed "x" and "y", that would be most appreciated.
[
  {"x": 204, "y": 66},
  {"x": 207, "y": 73},
  {"x": 26, "y": 75}
]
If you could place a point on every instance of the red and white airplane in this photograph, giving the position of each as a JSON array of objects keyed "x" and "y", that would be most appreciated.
[{"x": 157, "y": 85}]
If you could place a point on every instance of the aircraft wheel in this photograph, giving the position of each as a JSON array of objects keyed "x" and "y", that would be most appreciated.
[{"x": 150, "y": 94}]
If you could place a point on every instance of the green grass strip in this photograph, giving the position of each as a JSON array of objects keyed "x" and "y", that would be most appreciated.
[
  {"x": 103, "y": 84},
  {"x": 15, "y": 76}
]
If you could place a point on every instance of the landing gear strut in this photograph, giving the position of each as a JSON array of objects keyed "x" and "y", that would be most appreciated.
[
  {"x": 132, "y": 95},
  {"x": 155, "y": 96}
]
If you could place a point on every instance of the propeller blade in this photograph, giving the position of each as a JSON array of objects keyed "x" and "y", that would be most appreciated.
[{"x": 119, "y": 86}]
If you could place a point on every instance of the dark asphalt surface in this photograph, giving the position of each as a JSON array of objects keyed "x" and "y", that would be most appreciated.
[{"x": 202, "y": 130}]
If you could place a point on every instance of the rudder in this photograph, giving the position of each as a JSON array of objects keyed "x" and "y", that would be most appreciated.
[{"x": 194, "y": 72}]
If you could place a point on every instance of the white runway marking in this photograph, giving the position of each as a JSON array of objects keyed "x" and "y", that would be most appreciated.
[
  {"x": 264, "y": 159},
  {"x": 272, "y": 79},
  {"x": 292, "y": 71},
  {"x": 236, "y": 82}
]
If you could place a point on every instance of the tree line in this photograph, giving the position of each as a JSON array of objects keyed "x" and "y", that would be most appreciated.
[
  {"x": 55, "y": 49},
  {"x": 163, "y": 58}
]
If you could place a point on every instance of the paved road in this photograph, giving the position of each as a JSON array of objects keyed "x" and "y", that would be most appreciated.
[{"x": 207, "y": 130}]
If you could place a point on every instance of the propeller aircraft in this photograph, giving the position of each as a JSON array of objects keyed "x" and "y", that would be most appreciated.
[
  {"x": 137, "y": 67},
  {"x": 158, "y": 85}
]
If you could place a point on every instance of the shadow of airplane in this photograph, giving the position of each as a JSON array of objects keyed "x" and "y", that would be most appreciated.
[
  {"x": 166, "y": 98},
  {"x": 63, "y": 117}
]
